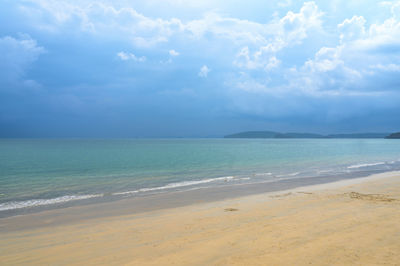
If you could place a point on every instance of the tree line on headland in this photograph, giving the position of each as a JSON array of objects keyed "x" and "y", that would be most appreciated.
[
  {"x": 393, "y": 136},
  {"x": 278, "y": 135}
]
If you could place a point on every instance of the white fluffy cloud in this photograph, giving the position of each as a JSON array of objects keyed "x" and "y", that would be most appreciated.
[
  {"x": 296, "y": 25},
  {"x": 105, "y": 18},
  {"x": 129, "y": 56},
  {"x": 173, "y": 53},
  {"x": 204, "y": 70},
  {"x": 352, "y": 28},
  {"x": 358, "y": 64},
  {"x": 358, "y": 69},
  {"x": 289, "y": 31},
  {"x": 245, "y": 59},
  {"x": 101, "y": 18}
]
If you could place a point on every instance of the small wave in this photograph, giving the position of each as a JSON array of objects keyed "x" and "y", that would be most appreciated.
[
  {"x": 324, "y": 171},
  {"x": 176, "y": 185},
  {"x": 291, "y": 174},
  {"x": 40, "y": 202},
  {"x": 262, "y": 174},
  {"x": 364, "y": 165}
]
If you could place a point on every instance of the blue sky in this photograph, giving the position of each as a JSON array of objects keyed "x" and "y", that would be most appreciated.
[{"x": 189, "y": 68}]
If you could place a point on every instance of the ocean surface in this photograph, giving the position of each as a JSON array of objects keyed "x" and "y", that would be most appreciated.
[{"x": 51, "y": 172}]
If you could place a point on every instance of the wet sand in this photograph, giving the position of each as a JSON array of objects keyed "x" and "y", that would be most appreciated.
[{"x": 351, "y": 222}]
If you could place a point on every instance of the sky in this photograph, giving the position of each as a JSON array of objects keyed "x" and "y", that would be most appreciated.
[{"x": 191, "y": 68}]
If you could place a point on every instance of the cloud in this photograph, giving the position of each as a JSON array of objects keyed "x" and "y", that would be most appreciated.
[
  {"x": 295, "y": 25},
  {"x": 355, "y": 76},
  {"x": 245, "y": 60},
  {"x": 129, "y": 56},
  {"x": 353, "y": 28},
  {"x": 396, "y": 10},
  {"x": 16, "y": 56},
  {"x": 328, "y": 73},
  {"x": 100, "y": 18},
  {"x": 389, "y": 67},
  {"x": 301, "y": 61},
  {"x": 204, "y": 70},
  {"x": 144, "y": 31},
  {"x": 288, "y": 31},
  {"x": 359, "y": 62},
  {"x": 250, "y": 45},
  {"x": 173, "y": 53},
  {"x": 362, "y": 63},
  {"x": 285, "y": 3}
]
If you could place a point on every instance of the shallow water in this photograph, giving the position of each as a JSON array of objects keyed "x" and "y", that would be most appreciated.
[{"x": 41, "y": 172}]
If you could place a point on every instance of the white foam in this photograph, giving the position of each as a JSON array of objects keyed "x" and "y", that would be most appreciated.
[
  {"x": 40, "y": 202},
  {"x": 176, "y": 185},
  {"x": 364, "y": 165},
  {"x": 262, "y": 174},
  {"x": 291, "y": 174},
  {"x": 324, "y": 171}
]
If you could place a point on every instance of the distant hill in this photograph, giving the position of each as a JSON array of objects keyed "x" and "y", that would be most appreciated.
[
  {"x": 277, "y": 135},
  {"x": 254, "y": 135},
  {"x": 394, "y": 136},
  {"x": 359, "y": 136},
  {"x": 299, "y": 136}
]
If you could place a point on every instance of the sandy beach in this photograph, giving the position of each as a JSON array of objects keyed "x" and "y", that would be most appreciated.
[{"x": 352, "y": 222}]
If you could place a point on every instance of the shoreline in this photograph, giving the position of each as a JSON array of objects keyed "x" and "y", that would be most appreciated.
[
  {"x": 339, "y": 223},
  {"x": 92, "y": 210}
]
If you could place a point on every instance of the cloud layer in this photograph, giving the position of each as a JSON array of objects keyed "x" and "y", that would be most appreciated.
[{"x": 154, "y": 68}]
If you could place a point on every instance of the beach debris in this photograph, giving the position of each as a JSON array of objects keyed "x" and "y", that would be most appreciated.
[
  {"x": 230, "y": 209},
  {"x": 281, "y": 195},
  {"x": 370, "y": 197}
]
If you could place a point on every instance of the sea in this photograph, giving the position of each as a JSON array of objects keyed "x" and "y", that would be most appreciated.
[{"x": 52, "y": 172}]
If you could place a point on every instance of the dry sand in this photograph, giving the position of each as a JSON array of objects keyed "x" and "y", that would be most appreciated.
[{"x": 353, "y": 222}]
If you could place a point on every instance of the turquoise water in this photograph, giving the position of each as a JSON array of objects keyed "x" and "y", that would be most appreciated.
[{"x": 39, "y": 172}]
